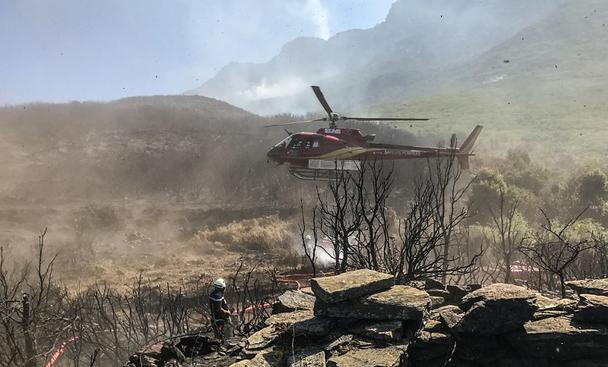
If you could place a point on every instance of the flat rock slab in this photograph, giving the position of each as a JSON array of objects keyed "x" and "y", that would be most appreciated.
[
  {"x": 303, "y": 323},
  {"x": 545, "y": 303},
  {"x": 590, "y": 286},
  {"x": 377, "y": 357},
  {"x": 562, "y": 339},
  {"x": 593, "y": 309},
  {"x": 288, "y": 318},
  {"x": 293, "y": 301},
  {"x": 310, "y": 357},
  {"x": 350, "y": 285},
  {"x": 398, "y": 303},
  {"x": 540, "y": 315}
]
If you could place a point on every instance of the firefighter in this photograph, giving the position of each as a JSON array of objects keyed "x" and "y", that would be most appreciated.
[{"x": 220, "y": 312}]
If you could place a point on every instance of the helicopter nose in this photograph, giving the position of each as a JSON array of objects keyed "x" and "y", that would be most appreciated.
[{"x": 273, "y": 154}]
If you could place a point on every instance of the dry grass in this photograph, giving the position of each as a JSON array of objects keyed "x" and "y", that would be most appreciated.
[{"x": 259, "y": 234}]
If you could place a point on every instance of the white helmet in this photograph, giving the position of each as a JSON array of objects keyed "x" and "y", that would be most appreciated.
[{"x": 219, "y": 283}]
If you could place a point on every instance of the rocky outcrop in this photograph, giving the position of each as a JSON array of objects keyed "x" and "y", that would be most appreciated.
[
  {"x": 360, "y": 318},
  {"x": 495, "y": 326}
]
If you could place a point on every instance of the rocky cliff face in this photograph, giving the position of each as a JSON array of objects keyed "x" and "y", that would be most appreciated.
[{"x": 361, "y": 318}]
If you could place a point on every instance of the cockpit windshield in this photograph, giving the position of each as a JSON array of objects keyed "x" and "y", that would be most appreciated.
[{"x": 285, "y": 142}]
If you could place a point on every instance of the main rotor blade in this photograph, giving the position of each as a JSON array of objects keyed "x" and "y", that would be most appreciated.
[
  {"x": 382, "y": 119},
  {"x": 297, "y": 122},
  {"x": 322, "y": 100}
]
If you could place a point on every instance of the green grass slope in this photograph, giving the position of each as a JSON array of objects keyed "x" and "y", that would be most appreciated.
[{"x": 544, "y": 90}]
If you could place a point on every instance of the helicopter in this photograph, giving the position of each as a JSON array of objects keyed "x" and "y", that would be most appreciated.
[{"x": 317, "y": 155}]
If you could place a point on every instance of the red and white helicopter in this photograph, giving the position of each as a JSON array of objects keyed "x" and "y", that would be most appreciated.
[{"x": 315, "y": 156}]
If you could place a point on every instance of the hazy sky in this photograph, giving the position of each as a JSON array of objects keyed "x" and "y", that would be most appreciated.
[{"x": 62, "y": 50}]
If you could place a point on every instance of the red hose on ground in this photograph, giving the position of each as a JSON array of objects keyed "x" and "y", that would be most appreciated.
[{"x": 59, "y": 352}]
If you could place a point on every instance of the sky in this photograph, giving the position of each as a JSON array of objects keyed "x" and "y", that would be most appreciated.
[{"x": 66, "y": 50}]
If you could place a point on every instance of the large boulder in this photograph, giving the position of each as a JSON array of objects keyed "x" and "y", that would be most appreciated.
[
  {"x": 293, "y": 301},
  {"x": 590, "y": 286},
  {"x": 561, "y": 339},
  {"x": 377, "y": 357},
  {"x": 398, "y": 303},
  {"x": 593, "y": 309},
  {"x": 496, "y": 309},
  {"x": 350, "y": 285}
]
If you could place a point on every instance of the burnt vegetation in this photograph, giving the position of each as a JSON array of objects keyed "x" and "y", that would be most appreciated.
[{"x": 511, "y": 221}]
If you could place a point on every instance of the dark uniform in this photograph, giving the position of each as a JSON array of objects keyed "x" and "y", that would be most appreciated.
[{"x": 219, "y": 312}]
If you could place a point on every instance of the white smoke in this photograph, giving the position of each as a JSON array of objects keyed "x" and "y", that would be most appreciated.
[
  {"x": 287, "y": 86},
  {"x": 320, "y": 17}
]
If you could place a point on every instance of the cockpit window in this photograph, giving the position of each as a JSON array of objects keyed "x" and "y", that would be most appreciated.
[{"x": 285, "y": 142}]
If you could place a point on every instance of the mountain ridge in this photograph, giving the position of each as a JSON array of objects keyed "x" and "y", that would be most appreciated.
[{"x": 415, "y": 41}]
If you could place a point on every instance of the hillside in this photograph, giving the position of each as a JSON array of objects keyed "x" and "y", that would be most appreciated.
[
  {"x": 134, "y": 147},
  {"x": 544, "y": 90},
  {"x": 170, "y": 148},
  {"x": 417, "y": 40}
]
